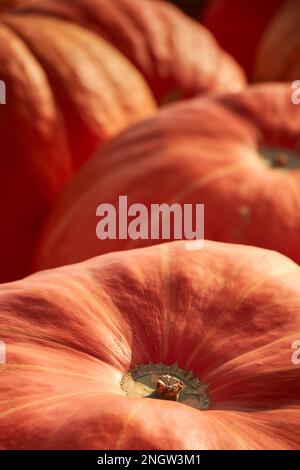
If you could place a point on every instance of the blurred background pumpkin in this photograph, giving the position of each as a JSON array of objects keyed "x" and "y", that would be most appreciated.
[
  {"x": 278, "y": 56},
  {"x": 177, "y": 56},
  {"x": 68, "y": 90},
  {"x": 238, "y": 26},
  {"x": 237, "y": 153}
]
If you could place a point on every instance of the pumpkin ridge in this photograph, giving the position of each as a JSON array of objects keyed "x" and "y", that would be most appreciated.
[
  {"x": 134, "y": 406},
  {"x": 229, "y": 310},
  {"x": 218, "y": 173},
  {"x": 248, "y": 353},
  {"x": 59, "y": 109},
  {"x": 35, "y": 367},
  {"x": 165, "y": 261},
  {"x": 9, "y": 412}
]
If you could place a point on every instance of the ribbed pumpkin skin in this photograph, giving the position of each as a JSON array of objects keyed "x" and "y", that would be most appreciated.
[
  {"x": 282, "y": 36},
  {"x": 202, "y": 151},
  {"x": 239, "y": 25},
  {"x": 67, "y": 92},
  {"x": 177, "y": 56},
  {"x": 228, "y": 312}
]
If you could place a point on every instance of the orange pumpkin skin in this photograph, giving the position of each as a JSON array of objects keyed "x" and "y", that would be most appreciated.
[
  {"x": 227, "y": 312},
  {"x": 283, "y": 37},
  {"x": 6, "y": 5},
  {"x": 203, "y": 151},
  {"x": 67, "y": 92},
  {"x": 239, "y": 25},
  {"x": 177, "y": 56}
]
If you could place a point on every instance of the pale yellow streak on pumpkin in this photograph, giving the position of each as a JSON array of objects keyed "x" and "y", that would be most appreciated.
[
  {"x": 254, "y": 375},
  {"x": 93, "y": 300},
  {"x": 73, "y": 285},
  {"x": 45, "y": 401},
  {"x": 165, "y": 258},
  {"x": 240, "y": 429},
  {"x": 100, "y": 306},
  {"x": 93, "y": 303},
  {"x": 197, "y": 184},
  {"x": 220, "y": 173},
  {"x": 34, "y": 367},
  {"x": 123, "y": 432},
  {"x": 232, "y": 308},
  {"x": 240, "y": 365},
  {"x": 263, "y": 426},
  {"x": 45, "y": 339},
  {"x": 228, "y": 431}
]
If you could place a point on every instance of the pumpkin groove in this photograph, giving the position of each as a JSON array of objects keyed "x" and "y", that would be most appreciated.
[
  {"x": 177, "y": 56},
  {"x": 231, "y": 313},
  {"x": 64, "y": 97}
]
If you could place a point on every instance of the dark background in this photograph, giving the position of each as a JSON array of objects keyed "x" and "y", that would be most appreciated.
[{"x": 190, "y": 7}]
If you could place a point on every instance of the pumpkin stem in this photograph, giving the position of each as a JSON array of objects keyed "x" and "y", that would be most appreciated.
[
  {"x": 168, "y": 387},
  {"x": 281, "y": 160},
  {"x": 166, "y": 382},
  {"x": 280, "y": 157}
]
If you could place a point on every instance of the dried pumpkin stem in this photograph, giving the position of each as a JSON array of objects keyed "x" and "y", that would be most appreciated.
[
  {"x": 166, "y": 382},
  {"x": 281, "y": 160},
  {"x": 168, "y": 387}
]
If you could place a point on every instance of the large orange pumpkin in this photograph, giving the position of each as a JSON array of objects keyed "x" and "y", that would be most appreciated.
[
  {"x": 67, "y": 90},
  {"x": 79, "y": 340},
  {"x": 278, "y": 57},
  {"x": 238, "y": 25},
  {"x": 237, "y": 153},
  {"x": 177, "y": 56}
]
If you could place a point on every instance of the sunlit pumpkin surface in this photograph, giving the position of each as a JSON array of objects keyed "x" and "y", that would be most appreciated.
[
  {"x": 226, "y": 313},
  {"x": 68, "y": 91},
  {"x": 177, "y": 56}
]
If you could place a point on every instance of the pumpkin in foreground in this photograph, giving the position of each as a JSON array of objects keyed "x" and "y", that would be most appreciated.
[
  {"x": 238, "y": 154},
  {"x": 67, "y": 92},
  {"x": 92, "y": 347},
  {"x": 177, "y": 56}
]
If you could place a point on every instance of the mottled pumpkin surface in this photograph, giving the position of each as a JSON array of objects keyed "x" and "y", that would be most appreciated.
[{"x": 229, "y": 313}]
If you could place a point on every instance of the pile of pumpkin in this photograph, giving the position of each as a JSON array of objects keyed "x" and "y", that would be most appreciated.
[{"x": 143, "y": 344}]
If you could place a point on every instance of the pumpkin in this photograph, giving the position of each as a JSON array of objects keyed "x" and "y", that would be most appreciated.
[
  {"x": 6, "y": 5},
  {"x": 91, "y": 349},
  {"x": 238, "y": 154},
  {"x": 67, "y": 91},
  {"x": 239, "y": 25},
  {"x": 177, "y": 56},
  {"x": 281, "y": 36}
]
